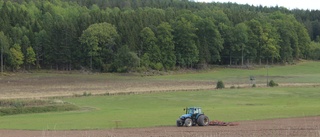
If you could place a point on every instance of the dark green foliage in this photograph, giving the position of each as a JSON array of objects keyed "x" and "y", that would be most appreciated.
[
  {"x": 187, "y": 53},
  {"x": 12, "y": 107},
  {"x": 100, "y": 42},
  {"x": 149, "y": 49},
  {"x": 166, "y": 45},
  {"x": 314, "y": 51},
  {"x": 39, "y": 109},
  {"x": 210, "y": 41},
  {"x": 272, "y": 84},
  {"x": 4, "y": 46},
  {"x": 220, "y": 85},
  {"x": 161, "y": 34},
  {"x": 125, "y": 60}
]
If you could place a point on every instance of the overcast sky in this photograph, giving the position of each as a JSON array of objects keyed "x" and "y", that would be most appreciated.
[{"x": 290, "y": 4}]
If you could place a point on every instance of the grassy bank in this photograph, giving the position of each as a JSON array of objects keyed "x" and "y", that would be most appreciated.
[{"x": 25, "y": 106}]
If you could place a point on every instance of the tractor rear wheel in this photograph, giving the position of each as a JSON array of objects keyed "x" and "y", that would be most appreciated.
[
  {"x": 203, "y": 120},
  {"x": 188, "y": 122}
]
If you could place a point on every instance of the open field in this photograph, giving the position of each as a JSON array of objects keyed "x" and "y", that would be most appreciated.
[
  {"x": 304, "y": 72},
  {"x": 43, "y": 84},
  {"x": 297, "y": 96},
  {"x": 162, "y": 109}
]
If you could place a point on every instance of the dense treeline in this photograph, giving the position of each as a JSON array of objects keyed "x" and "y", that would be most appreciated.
[{"x": 124, "y": 35}]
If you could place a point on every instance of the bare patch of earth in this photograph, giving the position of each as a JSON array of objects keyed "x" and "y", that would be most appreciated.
[
  {"x": 34, "y": 87},
  {"x": 289, "y": 127}
]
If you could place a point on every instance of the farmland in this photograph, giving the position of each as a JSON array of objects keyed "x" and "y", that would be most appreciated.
[
  {"x": 299, "y": 98},
  {"x": 162, "y": 109},
  {"x": 51, "y": 84}
]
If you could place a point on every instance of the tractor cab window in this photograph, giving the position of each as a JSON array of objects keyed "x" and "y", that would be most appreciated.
[
  {"x": 196, "y": 110},
  {"x": 191, "y": 111}
]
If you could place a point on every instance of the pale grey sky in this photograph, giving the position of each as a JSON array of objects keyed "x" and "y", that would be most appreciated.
[{"x": 290, "y": 4}]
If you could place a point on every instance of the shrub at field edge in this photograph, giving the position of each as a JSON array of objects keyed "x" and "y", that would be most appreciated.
[{"x": 220, "y": 84}]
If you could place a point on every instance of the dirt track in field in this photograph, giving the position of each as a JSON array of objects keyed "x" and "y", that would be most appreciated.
[{"x": 291, "y": 127}]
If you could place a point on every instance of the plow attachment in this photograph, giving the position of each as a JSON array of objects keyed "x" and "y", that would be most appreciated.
[{"x": 221, "y": 123}]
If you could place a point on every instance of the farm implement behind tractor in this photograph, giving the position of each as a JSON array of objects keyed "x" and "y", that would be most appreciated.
[
  {"x": 194, "y": 116},
  {"x": 221, "y": 123}
]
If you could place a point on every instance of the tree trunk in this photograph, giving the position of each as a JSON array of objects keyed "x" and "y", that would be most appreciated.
[
  {"x": 242, "y": 56},
  {"x": 1, "y": 60},
  {"x": 260, "y": 61},
  {"x": 91, "y": 63},
  {"x": 230, "y": 58},
  {"x": 37, "y": 63},
  {"x": 242, "y": 60}
]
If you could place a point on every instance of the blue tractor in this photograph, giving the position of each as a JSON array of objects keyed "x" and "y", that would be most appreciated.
[{"x": 193, "y": 117}]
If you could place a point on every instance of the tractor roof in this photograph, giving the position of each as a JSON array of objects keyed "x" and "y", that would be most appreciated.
[{"x": 194, "y": 107}]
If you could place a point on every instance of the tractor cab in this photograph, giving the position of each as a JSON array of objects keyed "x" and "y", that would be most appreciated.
[{"x": 193, "y": 110}]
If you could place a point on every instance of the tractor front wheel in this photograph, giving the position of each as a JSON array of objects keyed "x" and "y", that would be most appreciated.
[
  {"x": 203, "y": 120},
  {"x": 179, "y": 123},
  {"x": 188, "y": 122}
]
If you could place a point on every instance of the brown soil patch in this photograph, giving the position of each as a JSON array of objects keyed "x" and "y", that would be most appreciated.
[
  {"x": 289, "y": 127},
  {"x": 64, "y": 85}
]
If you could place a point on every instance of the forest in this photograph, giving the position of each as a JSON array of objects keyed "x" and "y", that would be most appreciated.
[{"x": 141, "y": 35}]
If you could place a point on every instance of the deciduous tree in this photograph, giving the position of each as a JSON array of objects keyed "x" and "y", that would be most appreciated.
[
  {"x": 210, "y": 41},
  {"x": 30, "y": 56},
  {"x": 186, "y": 50},
  {"x": 99, "y": 39},
  {"x": 16, "y": 57},
  {"x": 150, "y": 47},
  {"x": 166, "y": 45}
]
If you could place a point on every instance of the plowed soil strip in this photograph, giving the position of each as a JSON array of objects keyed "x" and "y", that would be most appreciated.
[{"x": 289, "y": 127}]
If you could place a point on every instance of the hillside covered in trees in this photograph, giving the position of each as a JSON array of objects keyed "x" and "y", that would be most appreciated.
[{"x": 130, "y": 35}]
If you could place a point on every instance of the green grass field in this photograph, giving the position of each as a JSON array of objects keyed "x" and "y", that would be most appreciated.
[
  {"x": 162, "y": 109},
  {"x": 159, "y": 109},
  {"x": 303, "y": 72}
]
